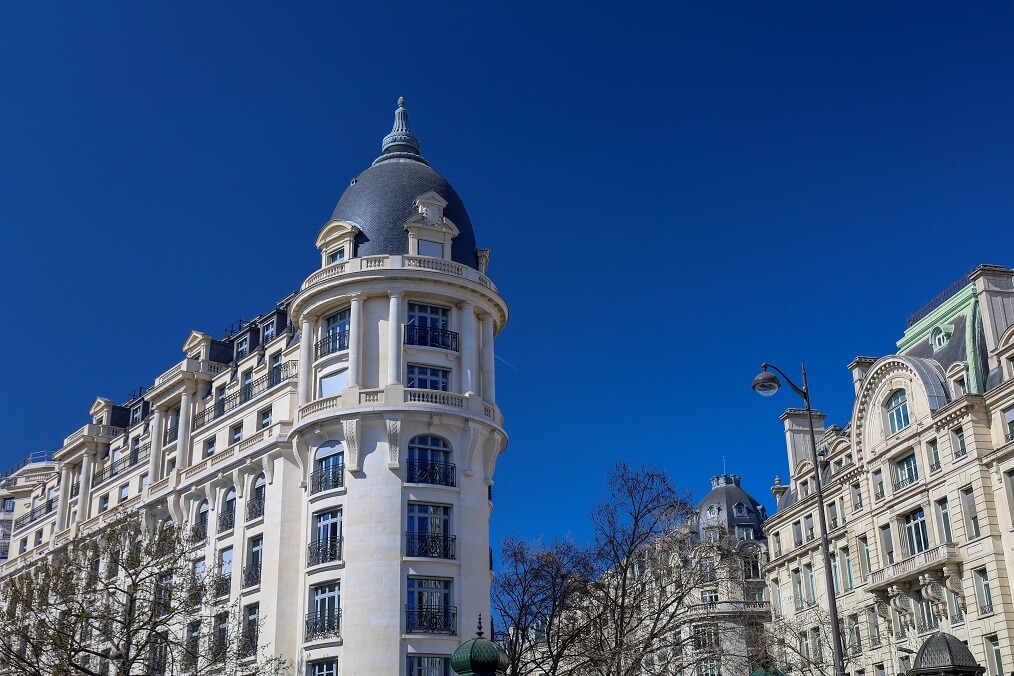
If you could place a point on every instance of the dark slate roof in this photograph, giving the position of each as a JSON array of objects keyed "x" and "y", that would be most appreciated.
[
  {"x": 944, "y": 652},
  {"x": 725, "y": 494}
]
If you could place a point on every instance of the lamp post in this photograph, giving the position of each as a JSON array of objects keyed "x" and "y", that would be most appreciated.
[{"x": 766, "y": 384}]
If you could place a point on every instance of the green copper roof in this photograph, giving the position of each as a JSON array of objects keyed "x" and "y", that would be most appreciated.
[{"x": 478, "y": 657}]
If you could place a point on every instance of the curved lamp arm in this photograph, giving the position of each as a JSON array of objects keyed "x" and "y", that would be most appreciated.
[{"x": 804, "y": 392}]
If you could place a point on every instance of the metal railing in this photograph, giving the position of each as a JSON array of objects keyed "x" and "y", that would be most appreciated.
[
  {"x": 223, "y": 584},
  {"x": 199, "y": 532},
  {"x": 431, "y": 472},
  {"x": 135, "y": 456},
  {"x": 219, "y": 408},
  {"x": 252, "y": 574},
  {"x": 75, "y": 489},
  {"x": 934, "y": 466},
  {"x": 35, "y": 514},
  {"x": 905, "y": 480},
  {"x": 431, "y": 545},
  {"x": 986, "y": 609},
  {"x": 939, "y": 300},
  {"x": 323, "y": 551},
  {"x": 332, "y": 342},
  {"x": 171, "y": 434},
  {"x": 431, "y": 337},
  {"x": 255, "y": 508},
  {"x": 227, "y": 519},
  {"x": 248, "y": 640},
  {"x": 431, "y": 619},
  {"x": 327, "y": 478},
  {"x": 879, "y": 493},
  {"x": 35, "y": 456},
  {"x": 323, "y": 625}
]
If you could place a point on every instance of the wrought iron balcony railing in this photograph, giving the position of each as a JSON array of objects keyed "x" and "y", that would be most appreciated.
[
  {"x": 431, "y": 337},
  {"x": 337, "y": 341},
  {"x": 252, "y": 575},
  {"x": 135, "y": 456},
  {"x": 327, "y": 478},
  {"x": 35, "y": 513},
  {"x": 248, "y": 640},
  {"x": 223, "y": 585},
  {"x": 431, "y": 619},
  {"x": 432, "y": 545},
  {"x": 905, "y": 480},
  {"x": 226, "y": 519},
  {"x": 75, "y": 489},
  {"x": 324, "y": 551},
  {"x": 199, "y": 531},
  {"x": 275, "y": 376},
  {"x": 431, "y": 472},
  {"x": 323, "y": 625},
  {"x": 171, "y": 434},
  {"x": 255, "y": 508}
]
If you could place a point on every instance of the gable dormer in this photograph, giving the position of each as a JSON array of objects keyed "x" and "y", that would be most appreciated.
[
  {"x": 336, "y": 242},
  {"x": 197, "y": 345},
  {"x": 430, "y": 233}
]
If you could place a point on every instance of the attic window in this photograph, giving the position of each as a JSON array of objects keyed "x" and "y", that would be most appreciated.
[
  {"x": 739, "y": 509},
  {"x": 336, "y": 256},
  {"x": 939, "y": 338},
  {"x": 431, "y": 249}
]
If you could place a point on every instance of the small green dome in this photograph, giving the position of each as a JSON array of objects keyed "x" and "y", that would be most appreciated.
[{"x": 478, "y": 657}]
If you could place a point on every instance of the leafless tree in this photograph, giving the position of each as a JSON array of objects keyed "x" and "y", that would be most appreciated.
[
  {"x": 802, "y": 644},
  {"x": 130, "y": 598}
]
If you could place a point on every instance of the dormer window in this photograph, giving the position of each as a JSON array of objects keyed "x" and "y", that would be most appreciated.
[
  {"x": 739, "y": 509},
  {"x": 336, "y": 242},
  {"x": 431, "y": 249},
  {"x": 242, "y": 347},
  {"x": 897, "y": 411},
  {"x": 336, "y": 255},
  {"x": 939, "y": 338},
  {"x": 269, "y": 331},
  {"x": 135, "y": 414},
  {"x": 430, "y": 232}
]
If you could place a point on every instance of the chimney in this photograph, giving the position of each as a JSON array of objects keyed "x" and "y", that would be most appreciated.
[
  {"x": 859, "y": 367},
  {"x": 797, "y": 435},
  {"x": 994, "y": 285}
]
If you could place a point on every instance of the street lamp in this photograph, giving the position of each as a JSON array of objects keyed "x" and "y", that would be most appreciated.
[{"x": 766, "y": 384}]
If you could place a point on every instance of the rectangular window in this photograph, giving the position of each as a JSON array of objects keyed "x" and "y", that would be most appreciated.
[
  {"x": 124, "y": 492},
  {"x": 1008, "y": 423},
  {"x": 251, "y": 628},
  {"x": 777, "y": 544},
  {"x": 957, "y": 614},
  {"x": 220, "y": 637},
  {"x": 804, "y": 487},
  {"x": 428, "y": 665},
  {"x": 246, "y": 385},
  {"x": 887, "y": 543},
  {"x": 710, "y": 596},
  {"x": 427, "y": 378},
  {"x": 325, "y": 668},
  {"x": 209, "y": 447},
  {"x": 811, "y": 584},
  {"x": 944, "y": 519},
  {"x": 326, "y": 538},
  {"x": 431, "y": 249},
  {"x": 849, "y": 572},
  {"x": 429, "y": 531},
  {"x": 237, "y": 433},
  {"x": 254, "y": 557},
  {"x": 1008, "y": 482},
  {"x": 854, "y": 638},
  {"x": 970, "y": 513},
  {"x": 916, "y": 536},
  {"x": 982, "y": 591},
  {"x": 933, "y": 453},
  {"x": 958, "y": 439},
  {"x": 336, "y": 255},
  {"x": 242, "y": 347},
  {"x": 135, "y": 415},
  {"x": 38, "y": 537},
  {"x": 878, "y": 484},
  {"x": 268, "y": 332},
  {"x": 104, "y": 503},
  {"x": 835, "y": 573},
  {"x": 906, "y": 472},
  {"x": 706, "y": 637},
  {"x": 429, "y": 607},
  {"x": 265, "y": 418},
  {"x": 832, "y": 515},
  {"x": 873, "y": 623},
  {"x": 143, "y": 482},
  {"x": 797, "y": 589},
  {"x": 857, "y": 497},
  {"x": 797, "y": 533},
  {"x": 333, "y": 384},
  {"x": 808, "y": 527},
  {"x": 993, "y": 654},
  {"x": 427, "y": 316},
  {"x": 865, "y": 562}
]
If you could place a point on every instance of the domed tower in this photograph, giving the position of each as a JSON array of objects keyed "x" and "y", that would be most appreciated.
[{"x": 397, "y": 429}]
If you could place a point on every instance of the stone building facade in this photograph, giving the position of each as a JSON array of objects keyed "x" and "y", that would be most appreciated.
[
  {"x": 919, "y": 494},
  {"x": 336, "y": 452}
]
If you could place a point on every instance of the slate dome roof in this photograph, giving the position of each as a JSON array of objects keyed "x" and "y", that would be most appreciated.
[
  {"x": 728, "y": 506},
  {"x": 380, "y": 199},
  {"x": 943, "y": 653}
]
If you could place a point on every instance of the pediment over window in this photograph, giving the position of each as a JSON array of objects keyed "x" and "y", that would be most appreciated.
[
  {"x": 196, "y": 343},
  {"x": 336, "y": 241},
  {"x": 430, "y": 232}
]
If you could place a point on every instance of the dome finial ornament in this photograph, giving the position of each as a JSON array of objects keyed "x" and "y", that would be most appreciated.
[
  {"x": 479, "y": 628},
  {"x": 401, "y": 143}
]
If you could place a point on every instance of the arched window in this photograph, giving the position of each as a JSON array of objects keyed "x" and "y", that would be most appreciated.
[
  {"x": 429, "y": 461},
  {"x": 201, "y": 524},
  {"x": 897, "y": 411},
  {"x": 939, "y": 338},
  {"x": 255, "y": 505},
  {"x": 328, "y": 467},
  {"x": 227, "y": 515},
  {"x": 739, "y": 509}
]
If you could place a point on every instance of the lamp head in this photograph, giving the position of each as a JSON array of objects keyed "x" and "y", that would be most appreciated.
[{"x": 766, "y": 383}]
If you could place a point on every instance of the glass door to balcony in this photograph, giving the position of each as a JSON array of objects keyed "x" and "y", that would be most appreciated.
[{"x": 916, "y": 535}]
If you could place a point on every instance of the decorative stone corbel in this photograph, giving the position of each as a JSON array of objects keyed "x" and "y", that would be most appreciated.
[
  {"x": 953, "y": 583},
  {"x": 393, "y": 441},
  {"x": 498, "y": 446},
  {"x": 268, "y": 465},
  {"x": 884, "y": 613},
  {"x": 351, "y": 429},
  {"x": 899, "y": 602},
  {"x": 933, "y": 592},
  {"x": 474, "y": 432}
]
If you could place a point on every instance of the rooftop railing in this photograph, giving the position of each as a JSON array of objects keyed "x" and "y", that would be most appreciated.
[
  {"x": 36, "y": 456},
  {"x": 939, "y": 300}
]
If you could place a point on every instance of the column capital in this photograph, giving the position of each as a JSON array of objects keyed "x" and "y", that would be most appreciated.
[
  {"x": 466, "y": 305},
  {"x": 358, "y": 296}
]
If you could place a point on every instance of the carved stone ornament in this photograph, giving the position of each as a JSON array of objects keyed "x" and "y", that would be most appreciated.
[
  {"x": 351, "y": 430},
  {"x": 953, "y": 583},
  {"x": 933, "y": 592},
  {"x": 474, "y": 432},
  {"x": 393, "y": 442},
  {"x": 884, "y": 613}
]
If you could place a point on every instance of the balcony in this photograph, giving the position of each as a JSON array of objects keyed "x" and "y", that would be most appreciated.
[
  {"x": 252, "y": 575},
  {"x": 35, "y": 514},
  {"x": 904, "y": 481},
  {"x": 431, "y": 472},
  {"x": 199, "y": 532},
  {"x": 324, "y": 551},
  {"x": 135, "y": 456},
  {"x": 75, "y": 489},
  {"x": 396, "y": 262},
  {"x": 337, "y": 341},
  {"x": 255, "y": 508},
  {"x": 431, "y": 619},
  {"x": 227, "y": 520},
  {"x": 426, "y": 336},
  {"x": 430, "y": 545},
  {"x": 327, "y": 478},
  {"x": 323, "y": 625},
  {"x": 248, "y": 392},
  {"x": 223, "y": 585},
  {"x": 911, "y": 567},
  {"x": 879, "y": 493},
  {"x": 171, "y": 434}
]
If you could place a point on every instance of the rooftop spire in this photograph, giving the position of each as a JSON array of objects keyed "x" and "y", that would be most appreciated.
[{"x": 401, "y": 142}]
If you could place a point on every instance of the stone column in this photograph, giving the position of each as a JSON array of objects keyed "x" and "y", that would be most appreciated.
[
  {"x": 394, "y": 340},
  {"x": 155, "y": 458},
  {"x": 305, "y": 348},
  {"x": 64, "y": 499},
  {"x": 85, "y": 486},
  {"x": 186, "y": 419},
  {"x": 488, "y": 377},
  {"x": 355, "y": 338},
  {"x": 469, "y": 349}
]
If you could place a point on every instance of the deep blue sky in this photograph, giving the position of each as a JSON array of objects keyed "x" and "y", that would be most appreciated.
[{"x": 672, "y": 194}]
